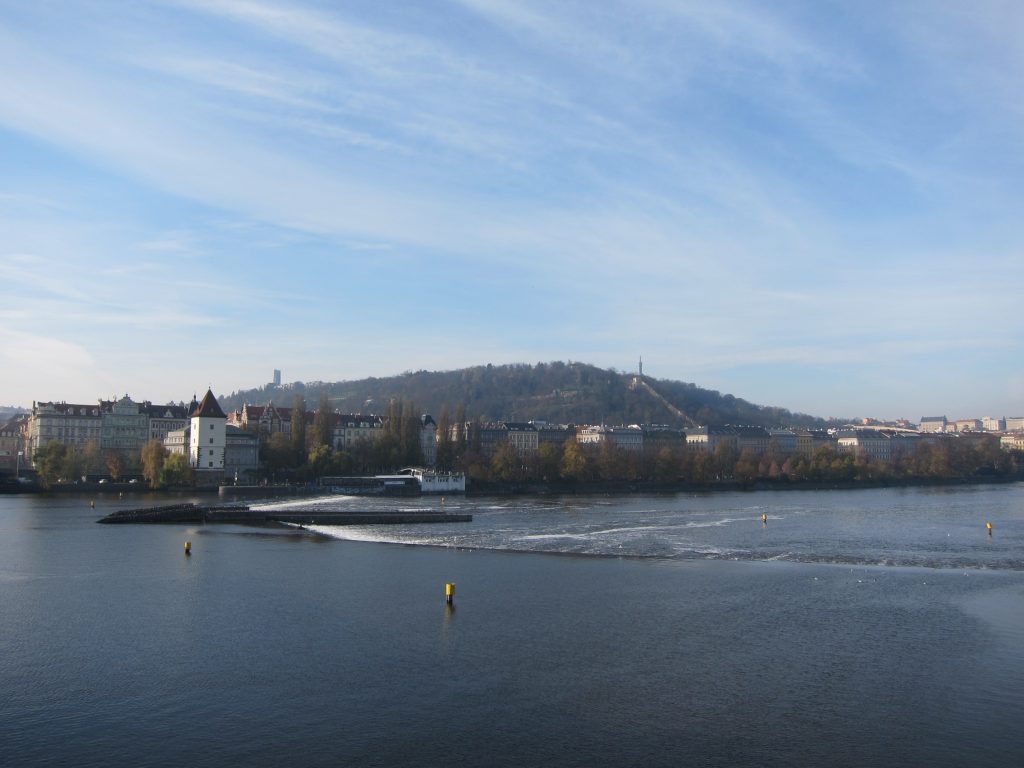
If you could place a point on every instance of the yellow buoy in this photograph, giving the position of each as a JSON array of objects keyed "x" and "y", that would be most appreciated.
[
  {"x": 989, "y": 526},
  {"x": 188, "y": 547},
  {"x": 449, "y": 592},
  {"x": 764, "y": 519}
]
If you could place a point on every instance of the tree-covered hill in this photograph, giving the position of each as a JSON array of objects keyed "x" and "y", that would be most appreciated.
[{"x": 568, "y": 393}]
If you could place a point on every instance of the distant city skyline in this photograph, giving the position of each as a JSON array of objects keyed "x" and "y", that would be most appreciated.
[{"x": 805, "y": 206}]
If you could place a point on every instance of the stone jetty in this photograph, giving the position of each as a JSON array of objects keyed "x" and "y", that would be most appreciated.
[{"x": 238, "y": 514}]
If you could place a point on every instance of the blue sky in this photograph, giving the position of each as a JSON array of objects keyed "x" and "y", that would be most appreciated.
[{"x": 807, "y": 204}]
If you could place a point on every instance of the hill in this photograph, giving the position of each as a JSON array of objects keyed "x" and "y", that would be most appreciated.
[
  {"x": 566, "y": 393},
  {"x": 9, "y": 412}
]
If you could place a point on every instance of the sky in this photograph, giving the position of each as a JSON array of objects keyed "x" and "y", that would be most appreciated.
[{"x": 814, "y": 205}]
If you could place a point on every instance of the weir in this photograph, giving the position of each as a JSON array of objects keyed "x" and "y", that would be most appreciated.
[{"x": 238, "y": 514}]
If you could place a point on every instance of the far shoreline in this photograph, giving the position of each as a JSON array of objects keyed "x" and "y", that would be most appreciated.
[{"x": 483, "y": 489}]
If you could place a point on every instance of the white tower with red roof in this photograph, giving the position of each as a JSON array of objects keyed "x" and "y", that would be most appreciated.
[{"x": 207, "y": 436}]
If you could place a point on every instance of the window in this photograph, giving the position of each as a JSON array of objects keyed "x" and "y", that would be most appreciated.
[
  {"x": 211, "y": 426},
  {"x": 211, "y": 441}
]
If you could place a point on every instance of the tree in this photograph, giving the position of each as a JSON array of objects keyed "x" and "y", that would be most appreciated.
[
  {"x": 298, "y": 441},
  {"x": 278, "y": 453},
  {"x": 320, "y": 459},
  {"x": 153, "y": 456},
  {"x": 92, "y": 457},
  {"x": 176, "y": 470},
  {"x": 73, "y": 463},
  {"x": 547, "y": 461},
  {"x": 506, "y": 463},
  {"x": 745, "y": 469},
  {"x": 116, "y": 464},
  {"x": 574, "y": 461},
  {"x": 666, "y": 465},
  {"x": 49, "y": 463},
  {"x": 460, "y": 432},
  {"x": 703, "y": 467},
  {"x": 725, "y": 460},
  {"x": 445, "y": 447},
  {"x": 322, "y": 422}
]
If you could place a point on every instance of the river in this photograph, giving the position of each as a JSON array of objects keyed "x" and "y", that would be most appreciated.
[{"x": 853, "y": 628}]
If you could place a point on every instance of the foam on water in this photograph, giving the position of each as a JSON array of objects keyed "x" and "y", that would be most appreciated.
[{"x": 845, "y": 528}]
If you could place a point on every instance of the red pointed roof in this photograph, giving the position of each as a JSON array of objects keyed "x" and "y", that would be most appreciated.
[{"x": 208, "y": 407}]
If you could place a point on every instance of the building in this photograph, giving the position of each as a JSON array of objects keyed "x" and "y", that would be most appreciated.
[
  {"x": 553, "y": 434},
  {"x": 207, "y": 441},
  {"x": 782, "y": 441},
  {"x": 67, "y": 423},
  {"x": 241, "y": 454},
  {"x": 934, "y": 423},
  {"x": 164, "y": 419},
  {"x": 1012, "y": 441},
  {"x": 522, "y": 436},
  {"x": 1014, "y": 423},
  {"x": 871, "y": 443},
  {"x": 626, "y": 438},
  {"x": 263, "y": 420},
  {"x": 990, "y": 424},
  {"x": 809, "y": 441},
  {"x": 428, "y": 440},
  {"x": 707, "y": 439},
  {"x": 658, "y": 436},
  {"x": 12, "y": 445},
  {"x": 121, "y": 425},
  {"x": 488, "y": 437},
  {"x": 348, "y": 428},
  {"x": 966, "y": 425},
  {"x": 125, "y": 427},
  {"x": 752, "y": 439}
]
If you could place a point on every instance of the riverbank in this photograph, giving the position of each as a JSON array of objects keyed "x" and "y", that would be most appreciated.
[
  {"x": 478, "y": 488},
  {"x": 626, "y": 487}
]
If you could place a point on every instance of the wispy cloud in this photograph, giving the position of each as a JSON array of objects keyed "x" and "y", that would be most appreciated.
[{"x": 716, "y": 183}]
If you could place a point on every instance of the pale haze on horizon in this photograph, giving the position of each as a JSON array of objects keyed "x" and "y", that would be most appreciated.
[{"x": 809, "y": 205}]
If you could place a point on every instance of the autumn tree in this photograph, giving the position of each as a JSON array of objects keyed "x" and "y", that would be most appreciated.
[
  {"x": 322, "y": 422},
  {"x": 153, "y": 455},
  {"x": 116, "y": 464},
  {"x": 745, "y": 469},
  {"x": 547, "y": 461},
  {"x": 574, "y": 461},
  {"x": 506, "y": 463}
]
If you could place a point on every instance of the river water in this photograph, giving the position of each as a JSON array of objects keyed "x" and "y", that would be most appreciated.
[{"x": 854, "y": 628}]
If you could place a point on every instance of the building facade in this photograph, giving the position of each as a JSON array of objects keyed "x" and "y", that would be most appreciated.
[
  {"x": 934, "y": 423},
  {"x": 13, "y": 445},
  {"x": 207, "y": 441}
]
